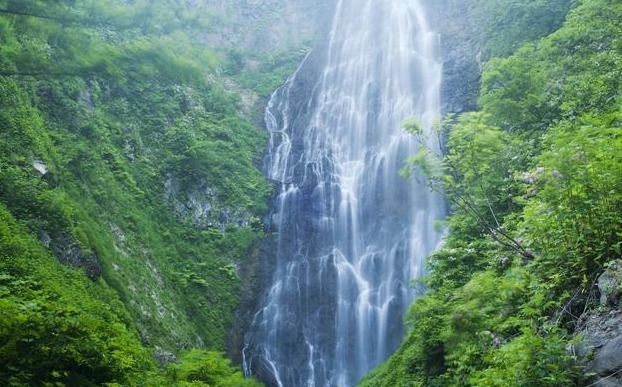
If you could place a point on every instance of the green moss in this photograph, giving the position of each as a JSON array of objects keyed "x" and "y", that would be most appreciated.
[{"x": 112, "y": 109}]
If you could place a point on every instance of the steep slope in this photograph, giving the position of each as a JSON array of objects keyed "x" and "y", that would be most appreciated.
[{"x": 129, "y": 189}]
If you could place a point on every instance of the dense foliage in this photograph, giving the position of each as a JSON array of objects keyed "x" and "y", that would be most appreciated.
[
  {"x": 58, "y": 326},
  {"x": 504, "y": 25},
  {"x": 130, "y": 198},
  {"x": 534, "y": 181}
]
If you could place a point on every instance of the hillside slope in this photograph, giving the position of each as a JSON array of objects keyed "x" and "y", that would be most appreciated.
[
  {"x": 517, "y": 295},
  {"x": 130, "y": 194}
]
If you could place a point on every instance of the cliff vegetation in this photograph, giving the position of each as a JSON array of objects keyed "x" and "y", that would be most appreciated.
[
  {"x": 534, "y": 182},
  {"x": 130, "y": 197}
]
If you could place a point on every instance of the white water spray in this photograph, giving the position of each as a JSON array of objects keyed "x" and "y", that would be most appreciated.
[{"x": 352, "y": 234}]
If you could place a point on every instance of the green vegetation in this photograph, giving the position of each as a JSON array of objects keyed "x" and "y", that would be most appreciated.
[
  {"x": 130, "y": 196},
  {"x": 200, "y": 368},
  {"x": 504, "y": 25},
  {"x": 534, "y": 180},
  {"x": 57, "y": 325},
  {"x": 275, "y": 67}
]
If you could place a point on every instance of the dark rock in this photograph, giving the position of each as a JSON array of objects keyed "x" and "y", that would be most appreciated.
[
  {"x": 600, "y": 332},
  {"x": 461, "y": 53},
  {"x": 596, "y": 329},
  {"x": 164, "y": 357},
  {"x": 68, "y": 252},
  {"x": 199, "y": 205},
  {"x": 608, "y": 359},
  {"x": 610, "y": 284},
  {"x": 608, "y": 382}
]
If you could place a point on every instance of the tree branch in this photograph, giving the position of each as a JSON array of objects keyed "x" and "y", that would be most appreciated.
[{"x": 495, "y": 233}]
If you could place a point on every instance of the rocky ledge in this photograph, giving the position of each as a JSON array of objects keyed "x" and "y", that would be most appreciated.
[{"x": 600, "y": 332}]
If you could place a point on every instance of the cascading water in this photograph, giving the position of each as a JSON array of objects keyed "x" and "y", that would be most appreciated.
[{"x": 351, "y": 233}]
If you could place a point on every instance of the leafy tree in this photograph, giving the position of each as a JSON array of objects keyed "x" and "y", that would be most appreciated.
[
  {"x": 476, "y": 175},
  {"x": 201, "y": 368},
  {"x": 513, "y": 92},
  {"x": 531, "y": 359},
  {"x": 574, "y": 213}
]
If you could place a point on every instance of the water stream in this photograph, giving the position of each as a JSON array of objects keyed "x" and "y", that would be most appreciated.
[{"x": 352, "y": 234}]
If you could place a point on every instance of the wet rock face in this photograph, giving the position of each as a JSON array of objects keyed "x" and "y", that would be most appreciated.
[
  {"x": 600, "y": 345},
  {"x": 68, "y": 252},
  {"x": 600, "y": 331},
  {"x": 199, "y": 205},
  {"x": 610, "y": 284},
  {"x": 311, "y": 284},
  {"x": 334, "y": 308},
  {"x": 267, "y": 25},
  {"x": 460, "y": 50},
  {"x": 300, "y": 220}
]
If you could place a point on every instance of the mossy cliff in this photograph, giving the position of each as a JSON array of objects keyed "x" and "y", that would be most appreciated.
[{"x": 130, "y": 195}]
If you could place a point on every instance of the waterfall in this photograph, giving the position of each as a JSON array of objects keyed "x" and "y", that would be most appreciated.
[{"x": 351, "y": 233}]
